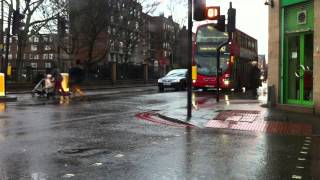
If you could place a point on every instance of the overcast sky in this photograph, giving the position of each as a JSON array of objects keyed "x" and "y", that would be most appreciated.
[{"x": 252, "y": 17}]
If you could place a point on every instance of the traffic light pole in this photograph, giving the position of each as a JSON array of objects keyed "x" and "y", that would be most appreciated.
[
  {"x": 219, "y": 70},
  {"x": 189, "y": 104}
]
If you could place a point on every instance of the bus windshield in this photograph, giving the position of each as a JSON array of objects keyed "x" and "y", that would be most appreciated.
[
  {"x": 210, "y": 34},
  {"x": 207, "y": 64}
]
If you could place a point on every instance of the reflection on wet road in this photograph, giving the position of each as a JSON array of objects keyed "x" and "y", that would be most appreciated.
[{"x": 103, "y": 140}]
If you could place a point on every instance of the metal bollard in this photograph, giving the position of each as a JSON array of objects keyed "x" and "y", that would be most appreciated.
[{"x": 271, "y": 96}]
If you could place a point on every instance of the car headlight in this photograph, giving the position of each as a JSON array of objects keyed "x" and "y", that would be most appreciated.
[
  {"x": 159, "y": 80},
  {"x": 176, "y": 80}
]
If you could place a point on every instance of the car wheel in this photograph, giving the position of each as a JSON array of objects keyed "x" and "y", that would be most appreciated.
[{"x": 161, "y": 88}]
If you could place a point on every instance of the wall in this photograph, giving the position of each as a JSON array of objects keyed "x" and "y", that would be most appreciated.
[
  {"x": 316, "y": 64},
  {"x": 274, "y": 48}
]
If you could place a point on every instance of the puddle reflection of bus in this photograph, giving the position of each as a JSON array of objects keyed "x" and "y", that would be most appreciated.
[{"x": 236, "y": 59}]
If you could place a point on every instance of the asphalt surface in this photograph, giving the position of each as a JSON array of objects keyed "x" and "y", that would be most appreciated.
[{"x": 101, "y": 138}]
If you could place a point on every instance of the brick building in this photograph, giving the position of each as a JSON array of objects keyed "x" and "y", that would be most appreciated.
[
  {"x": 40, "y": 55},
  {"x": 164, "y": 40},
  {"x": 294, "y": 54}
]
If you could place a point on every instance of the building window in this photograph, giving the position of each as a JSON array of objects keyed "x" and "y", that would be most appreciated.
[
  {"x": 34, "y": 47},
  {"x": 45, "y": 56},
  {"x": 36, "y": 39},
  {"x": 50, "y": 56},
  {"x": 34, "y": 65},
  {"x": 47, "y": 47},
  {"x": 36, "y": 56},
  {"x": 45, "y": 39},
  {"x": 9, "y": 56},
  {"x": 25, "y": 56},
  {"x": 47, "y": 65}
]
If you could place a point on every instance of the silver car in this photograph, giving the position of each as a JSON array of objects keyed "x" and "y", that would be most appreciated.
[{"x": 176, "y": 79}]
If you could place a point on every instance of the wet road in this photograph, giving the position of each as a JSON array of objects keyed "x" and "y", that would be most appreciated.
[{"x": 102, "y": 139}]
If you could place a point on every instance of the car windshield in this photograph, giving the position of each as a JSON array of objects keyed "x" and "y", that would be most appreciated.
[{"x": 177, "y": 73}]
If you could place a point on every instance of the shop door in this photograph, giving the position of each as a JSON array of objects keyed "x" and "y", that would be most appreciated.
[{"x": 299, "y": 71}]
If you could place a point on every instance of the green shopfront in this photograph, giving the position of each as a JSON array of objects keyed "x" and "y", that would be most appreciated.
[{"x": 296, "y": 56}]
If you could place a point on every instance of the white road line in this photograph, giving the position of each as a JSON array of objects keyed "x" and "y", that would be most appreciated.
[
  {"x": 301, "y": 159},
  {"x": 296, "y": 177}
]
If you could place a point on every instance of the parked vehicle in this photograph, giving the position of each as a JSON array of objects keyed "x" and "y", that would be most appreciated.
[{"x": 176, "y": 79}]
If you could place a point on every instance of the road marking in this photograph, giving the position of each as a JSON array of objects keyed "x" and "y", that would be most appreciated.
[
  {"x": 68, "y": 175},
  {"x": 308, "y": 141},
  {"x": 308, "y": 137},
  {"x": 296, "y": 177},
  {"x": 299, "y": 167},
  {"x": 301, "y": 159},
  {"x": 306, "y": 144},
  {"x": 305, "y": 148},
  {"x": 119, "y": 155},
  {"x": 303, "y": 152},
  {"x": 97, "y": 164}
]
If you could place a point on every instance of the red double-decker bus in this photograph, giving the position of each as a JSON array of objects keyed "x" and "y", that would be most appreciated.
[{"x": 236, "y": 58}]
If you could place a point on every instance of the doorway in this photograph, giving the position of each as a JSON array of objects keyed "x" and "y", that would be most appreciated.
[{"x": 299, "y": 68}]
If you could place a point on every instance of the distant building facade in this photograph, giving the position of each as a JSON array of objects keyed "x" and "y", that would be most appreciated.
[
  {"x": 40, "y": 55},
  {"x": 164, "y": 40}
]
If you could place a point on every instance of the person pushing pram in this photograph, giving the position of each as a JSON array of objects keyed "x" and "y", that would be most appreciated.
[{"x": 45, "y": 87}]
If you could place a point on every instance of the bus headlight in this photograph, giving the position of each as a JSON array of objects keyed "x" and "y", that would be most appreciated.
[
  {"x": 194, "y": 81},
  {"x": 226, "y": 82}
]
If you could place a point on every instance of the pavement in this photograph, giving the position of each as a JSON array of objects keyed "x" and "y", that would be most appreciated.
[{"x": 243, "y": 113}]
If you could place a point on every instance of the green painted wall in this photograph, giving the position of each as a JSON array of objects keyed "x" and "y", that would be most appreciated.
[
  {"x": 290, "y": 2},
  {"x": 291, "y": 18}
]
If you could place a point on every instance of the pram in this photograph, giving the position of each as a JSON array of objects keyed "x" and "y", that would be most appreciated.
[{"x": 42, "y": 89}]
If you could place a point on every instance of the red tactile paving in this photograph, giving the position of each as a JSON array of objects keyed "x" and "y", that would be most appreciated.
[
  {"x": 248, "y": 116},
  {"x": 263, "y": 126}
]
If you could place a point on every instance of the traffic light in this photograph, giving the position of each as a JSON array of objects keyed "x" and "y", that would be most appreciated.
[
  {"x": 17, "y": 23},
  {"x": 213, "y": 12},
  {"x": 231, "y": 19},
  {"x": 221, "y": 24},
  {"x": 199, "y": 10}
]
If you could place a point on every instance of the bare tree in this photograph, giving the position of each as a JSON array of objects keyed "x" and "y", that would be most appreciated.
[
  {"x": 103, "y": 26},
  {"x": 35, "y": 19},
  {"x": 181, "y": 20},
  {"x": 172, "y": 8}
]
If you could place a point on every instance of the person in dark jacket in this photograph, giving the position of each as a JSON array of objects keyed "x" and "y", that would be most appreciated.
[
  {"x": 76, "y": 76},
  {"x": 255, "y": 81}
]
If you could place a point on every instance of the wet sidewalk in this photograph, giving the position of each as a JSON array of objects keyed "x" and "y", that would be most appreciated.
[{"x": 241, "y": 112}]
